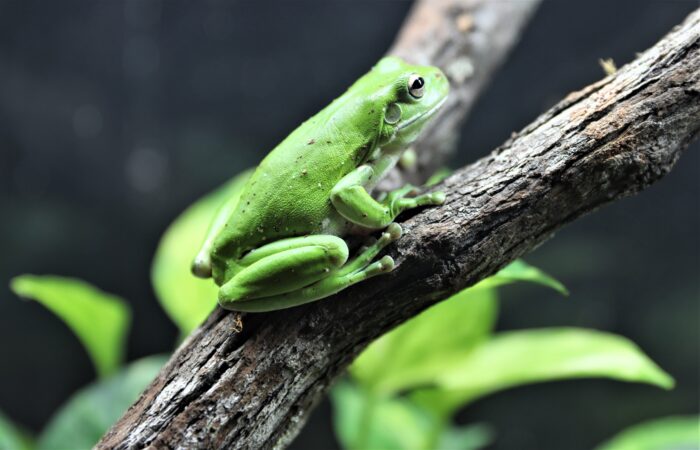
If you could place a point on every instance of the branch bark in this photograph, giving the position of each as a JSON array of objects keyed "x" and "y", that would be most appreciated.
[{"x": 253, "y": 389}]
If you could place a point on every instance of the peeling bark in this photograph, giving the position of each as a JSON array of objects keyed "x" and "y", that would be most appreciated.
[{"x": 253, "y": 389}]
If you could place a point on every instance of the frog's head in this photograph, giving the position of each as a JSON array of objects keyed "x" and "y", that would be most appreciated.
[{"x": 407, "y": 96}]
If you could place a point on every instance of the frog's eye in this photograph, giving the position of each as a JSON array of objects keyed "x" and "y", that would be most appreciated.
[{"x": 415, "y": 86}]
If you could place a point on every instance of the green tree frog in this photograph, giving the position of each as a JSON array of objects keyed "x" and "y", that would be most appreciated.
[{"x": 280, "y": 244}]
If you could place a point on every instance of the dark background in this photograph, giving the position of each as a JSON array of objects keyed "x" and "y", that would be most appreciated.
[{"x": 114, "y": 116}]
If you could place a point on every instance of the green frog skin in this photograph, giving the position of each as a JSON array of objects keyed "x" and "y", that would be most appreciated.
[{"x": 280, "y": 244}]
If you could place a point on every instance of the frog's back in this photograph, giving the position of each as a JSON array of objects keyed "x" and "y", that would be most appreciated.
[{"x": 288, "y": 195}]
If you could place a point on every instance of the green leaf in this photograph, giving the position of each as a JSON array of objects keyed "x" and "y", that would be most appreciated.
[
  {"x": 471, "y": 437},
  {"x": 415, "y": 353},
  {"x": 418, "y": 351},
  {"x": 519, "y": 270},
  {"x": 521, "y": 357},
  {"x": 99, "y": 320},
  {"x": 186, "y": 299},
  {"x": 671, "y": 433},
  {"x": 11, "y": 437},
  {"x": 89, "y": 413},
  {"x": 364, "y": 421}
]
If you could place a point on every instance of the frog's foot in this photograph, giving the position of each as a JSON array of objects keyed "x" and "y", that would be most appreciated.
[
  {"x": 369, "y": 252},
  {"x": 408, "y": 189},
  {"x": 358, "y": 269},
  {"x": 399, "y": 201}
]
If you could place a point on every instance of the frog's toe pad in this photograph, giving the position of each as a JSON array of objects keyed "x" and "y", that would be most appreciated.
[
  {"x": 438, "y": 198},
  {"x": 387, "y": 264},
  {"x": 201, "y": 268},
  {"x": 394, "y": 231}
]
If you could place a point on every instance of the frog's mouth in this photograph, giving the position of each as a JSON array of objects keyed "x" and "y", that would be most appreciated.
[{"x": 425, "y": 115}]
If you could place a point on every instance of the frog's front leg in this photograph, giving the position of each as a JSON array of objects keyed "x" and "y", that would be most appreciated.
[
  {"x": 294, "y": 271},
  {"x": 351, "y": 199}
]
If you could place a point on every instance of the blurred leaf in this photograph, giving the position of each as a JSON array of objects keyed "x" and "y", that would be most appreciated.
[
  {"x": 362, "y": 421},
  {"x": 100, "y": 320},
  {"x": 438, "y": 176},
  {"x": 11, "y": 437},
  {"x": 186, "y": 299},
  {"x": 521, "y": 357},
  {"x": 671, "y": 433},
  {"x": 519, "y": 270},
  {"x": 421, "y": 349},
  {"x": 89, "y": 413},
  {"x": 471, "y": 437}
]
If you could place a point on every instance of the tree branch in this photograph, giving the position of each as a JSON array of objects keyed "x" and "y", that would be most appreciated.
[
  {"x": 468, "y": 39},
  {"x": 253, "y": 389}
]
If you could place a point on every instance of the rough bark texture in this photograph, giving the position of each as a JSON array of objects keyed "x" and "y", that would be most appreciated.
[{"x": 253, "y": 389}]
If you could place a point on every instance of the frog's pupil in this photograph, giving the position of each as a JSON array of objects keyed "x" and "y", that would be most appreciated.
[{"x": 418, "y": 83}]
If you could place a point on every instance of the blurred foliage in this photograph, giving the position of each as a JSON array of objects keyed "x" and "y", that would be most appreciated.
[
  {"x": 186, "y": 299},
  {"x": 419, "y": 351},
  {"x": 406, "y": 386},
  {"x": 670, "y": 433},
  {"x": 88, "y": 414},
  {"x": 11, "y": 437},
  {"x": 437, "y": 177},
  {"x": 404, "y": 424},
  {"x": 99, "y": 320}
]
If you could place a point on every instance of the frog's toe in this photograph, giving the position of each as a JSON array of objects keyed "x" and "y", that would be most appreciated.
[
  {"x": 369, "y": 242},
  {"x": 384, "y": 265},
  {"x": 392, "y": 233},
  {"x": 438, "y": 198}
]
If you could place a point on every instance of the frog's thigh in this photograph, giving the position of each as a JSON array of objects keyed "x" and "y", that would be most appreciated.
[
  {"x": 353, "y": 272},
  {"x": 284, "y": 266}
]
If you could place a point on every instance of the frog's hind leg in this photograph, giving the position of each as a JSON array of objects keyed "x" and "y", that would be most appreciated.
[
  {"x": 283, "y": 266},
  {"x": 358, "y": 269}
]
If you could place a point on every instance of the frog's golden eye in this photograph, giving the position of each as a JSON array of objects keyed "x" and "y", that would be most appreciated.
[{"x": 416, "y": 84}]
